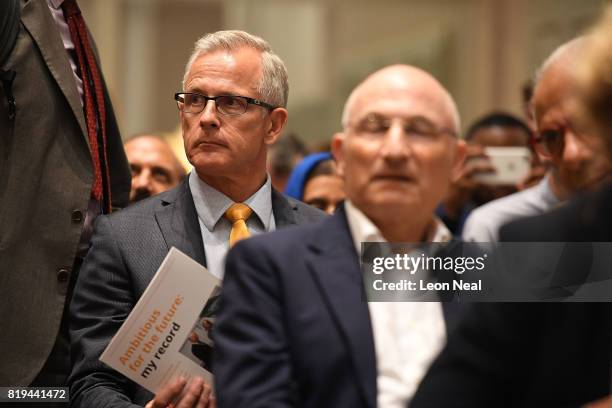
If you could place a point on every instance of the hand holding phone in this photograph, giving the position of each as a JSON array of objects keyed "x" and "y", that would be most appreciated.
[{"x": 510, "y": 165}]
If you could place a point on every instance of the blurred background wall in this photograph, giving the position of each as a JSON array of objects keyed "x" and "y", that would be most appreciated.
[{"x": 481, "y": 50}]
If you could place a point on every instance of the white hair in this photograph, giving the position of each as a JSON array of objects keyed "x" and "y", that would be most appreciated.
[{"x": 274, "y": 84}]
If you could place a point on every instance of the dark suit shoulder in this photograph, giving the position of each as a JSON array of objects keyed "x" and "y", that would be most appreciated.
[
  {"x": 146, "y": 207},
  {"x": 305, "y": 211},
  {"x": 292, "y": 238},
  {"x": 289, "y": 211},
  {"x": 538, "y": 228},
  {"x": 288, "y": 248}
]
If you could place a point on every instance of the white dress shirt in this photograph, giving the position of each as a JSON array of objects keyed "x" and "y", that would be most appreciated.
[
  {"x": 211, "y": 205},
  {"x": 484, "y": 222},
  {"x": 407, "y": 335}
]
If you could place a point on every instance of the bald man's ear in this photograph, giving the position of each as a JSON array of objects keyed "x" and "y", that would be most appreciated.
[
  {"x": 460, "y": 154},
  {"x": 278, "y": 120},
  {"x": 336, "y": 147}
]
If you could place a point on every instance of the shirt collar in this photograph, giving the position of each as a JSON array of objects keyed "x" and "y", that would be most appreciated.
[
  {"x": 545, "y": 191},
  {"x": 211, "y": 204},
  {"x": 364, "y": 230},
  {"x": 56, "y": 4}
]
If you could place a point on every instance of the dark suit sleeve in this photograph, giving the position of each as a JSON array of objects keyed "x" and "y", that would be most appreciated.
[
  {"x": 252, "y": 363},
  {"x": 102, "y": 301}
]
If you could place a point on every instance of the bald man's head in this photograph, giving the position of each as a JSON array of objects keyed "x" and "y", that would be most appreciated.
[
  {"x": 400, "y": 78},
  {"x": 399, "y": 148}
]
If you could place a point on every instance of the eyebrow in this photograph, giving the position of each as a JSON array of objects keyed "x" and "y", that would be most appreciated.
[
  {"x": 201, "y": 92},
  {"x": 384, "y": 116}
]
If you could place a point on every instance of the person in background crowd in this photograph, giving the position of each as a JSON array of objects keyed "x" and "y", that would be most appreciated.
[
  {"x": 61, "y": 164},
  {"x": 232, "y": 107},
  {"x": 293, "y": 329},
  {"x": 154, "y": 166},
  {"x": 547, "y": 354},
  {"x": 316, "y": 182},
  {"x": 322, "y": 146},
  {"x": 468, "y": 192},
  {"x": 288, "y": 151},
  {"x": 574, "y": 165}
]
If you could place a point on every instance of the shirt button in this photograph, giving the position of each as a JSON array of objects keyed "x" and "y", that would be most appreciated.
[
  {"x": 63, "y": 275},
  {"x": 77, "y": 216}
]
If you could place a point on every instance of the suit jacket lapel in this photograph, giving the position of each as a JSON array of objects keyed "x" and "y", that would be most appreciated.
[
  {"x": 335, "y": 267},
  {"x": 178, "y": 221},
  {"x": 37, "y": 19},
  {"x": 283, "y": 210}
]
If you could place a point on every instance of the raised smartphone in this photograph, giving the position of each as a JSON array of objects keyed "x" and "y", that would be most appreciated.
[{"x": 511, "y": 165}]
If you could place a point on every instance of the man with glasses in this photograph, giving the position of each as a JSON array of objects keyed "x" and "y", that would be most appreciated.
[
  {"x": 555, "y": 353},
  {"x": 575, "y": 166},
  {"x": 232, "y": 108},
  {"x": 294, "y": 330}
]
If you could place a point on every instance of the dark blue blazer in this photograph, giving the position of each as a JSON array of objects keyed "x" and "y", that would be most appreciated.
[{"x": 293, "y": 330}]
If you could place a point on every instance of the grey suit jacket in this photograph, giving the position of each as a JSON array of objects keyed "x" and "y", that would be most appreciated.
[
  {"x": 127, "y": 248},
  {"x": 45, "y": 183}
]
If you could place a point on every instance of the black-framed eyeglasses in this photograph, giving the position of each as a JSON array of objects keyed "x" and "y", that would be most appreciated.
[
  {"x": 193, "y": 102},
  {"x": 550, "y": 142}
]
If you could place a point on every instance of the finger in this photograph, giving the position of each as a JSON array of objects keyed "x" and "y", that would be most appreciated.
[
  {"x": 212, "y": 401},
  {"x": 479, "y": 167},
  {"x": 474, "y": 150},
  {"x": 191, "y": 396},
  {"x": 205, "y": 396},
  {"x": 165, "y": 396}
]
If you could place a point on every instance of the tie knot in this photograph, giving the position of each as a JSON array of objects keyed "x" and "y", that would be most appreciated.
[
  {"x": 238, "y": 211},
  {"x": 70, "y": 8}
]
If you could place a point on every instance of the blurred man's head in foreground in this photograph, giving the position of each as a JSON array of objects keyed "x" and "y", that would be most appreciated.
[
  {"x": 576, "y": 164},
  {"x": 399, "y": 148},
  {"x": 595, "y": 81}
]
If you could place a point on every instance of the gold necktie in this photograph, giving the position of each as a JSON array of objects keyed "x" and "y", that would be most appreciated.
[{"x": 237, "y": 214}]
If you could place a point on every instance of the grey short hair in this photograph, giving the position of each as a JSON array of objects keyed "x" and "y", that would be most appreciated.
[{"x": 274, "y": 85}]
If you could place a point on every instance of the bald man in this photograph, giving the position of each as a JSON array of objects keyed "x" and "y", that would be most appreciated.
[
  {"x": 154, "y": 166},
  {"x": 293, "y": 329}
]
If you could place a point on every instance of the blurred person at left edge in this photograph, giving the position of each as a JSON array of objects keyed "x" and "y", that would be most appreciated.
[{"x": 61, "y": 165}]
